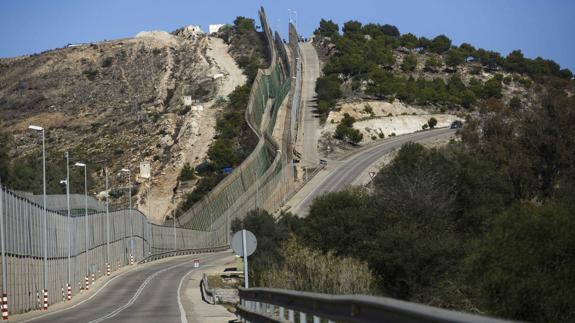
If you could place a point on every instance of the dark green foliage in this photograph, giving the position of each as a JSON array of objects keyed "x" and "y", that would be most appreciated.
[
  {"x": 327, "y": 28},
  {"x": 515, "y": 103},
  {"x": 440, "y": 44},
  {"x": 250, "y": 66},
  {"x": 345, "y": 130},
  {"x": 244, "y": 25},
  {"x": 523, "y": 267},
  {"x": 5, "y": 141},
  {"x": 187, "y": 173},
  {"x": 328, "y": 91},
  {"x": 433, "y": 63},
  {"x": 351, "y": 28},
  {"x": 409, "y": 63},
  {"x": 432, "y": 122},
  {"x": 204, "y": 186},
  {"x": 492, "y": 88},
  {"x": 271, "y": 233},
  {"x": 409, "y": 40},
  {"x": 455, "y": 57}
]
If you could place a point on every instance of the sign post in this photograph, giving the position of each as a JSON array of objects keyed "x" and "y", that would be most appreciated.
[{"x": 244, "y": 243}]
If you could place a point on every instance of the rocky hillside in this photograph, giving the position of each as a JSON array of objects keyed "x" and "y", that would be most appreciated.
[
  {"x": 113, "y": 103},
  {"x": 373, "y": 72}
]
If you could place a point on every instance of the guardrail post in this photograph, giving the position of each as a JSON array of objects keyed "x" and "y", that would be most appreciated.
[
  {"x": 302, "y": 317},
  {"x": 291, "y": 316}
]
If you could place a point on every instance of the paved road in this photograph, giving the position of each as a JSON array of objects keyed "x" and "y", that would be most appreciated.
[
  {"x": 309, "y": 134},
  {"x": 336, "y": 178},
  {"x": 147, "y": 294}
]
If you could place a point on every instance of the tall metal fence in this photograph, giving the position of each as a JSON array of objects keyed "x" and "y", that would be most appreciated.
[
  {"x": 116, "y": 238},
  {"x": 265, "y": 177}
]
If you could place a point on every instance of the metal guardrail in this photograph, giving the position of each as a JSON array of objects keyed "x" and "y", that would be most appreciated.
[
  {"x": 207, "y": 293},
  {"x": 183, "y": 252},
  {"x": 272, "y": 305}
]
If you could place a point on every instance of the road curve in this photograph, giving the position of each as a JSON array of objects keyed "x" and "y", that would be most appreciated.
[
  {"x": 146, "y": 294},
  {"x": 346, "y": 171}
]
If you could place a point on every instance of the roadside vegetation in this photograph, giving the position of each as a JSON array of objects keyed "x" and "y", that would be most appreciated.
[
  {"x": 482, "y": 225},
  {"x": 363, "y": 61}
]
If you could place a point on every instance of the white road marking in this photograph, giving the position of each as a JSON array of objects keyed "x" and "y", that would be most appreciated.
[{"x": 138, "y": 292}]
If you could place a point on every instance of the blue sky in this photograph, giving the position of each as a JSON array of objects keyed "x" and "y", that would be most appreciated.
[{"x": 537, "y": 27}]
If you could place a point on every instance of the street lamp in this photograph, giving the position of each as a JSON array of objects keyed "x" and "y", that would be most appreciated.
[
  {"x": 78, "y": 164},
  {"x": 127, "y": 170},
  {"x": 67, "y": 183},
  {"x": 44, "y": 264}
]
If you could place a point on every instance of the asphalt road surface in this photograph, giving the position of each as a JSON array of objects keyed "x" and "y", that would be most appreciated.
[
  {"x": 146, "y": 294},
  {"x": 352, "y": 167}
]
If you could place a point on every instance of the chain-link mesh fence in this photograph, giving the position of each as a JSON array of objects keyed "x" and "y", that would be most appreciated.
[
  {"x": 77, "y": 247},
  {"x": 266, "y": 176}
]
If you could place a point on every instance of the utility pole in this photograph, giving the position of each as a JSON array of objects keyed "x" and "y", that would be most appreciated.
[
  {"x": 45, "y": 213},
  {"x": 107, "y": 221},
  {"x": 69, "y": 216},
  {"x": 78, "y": 164}
]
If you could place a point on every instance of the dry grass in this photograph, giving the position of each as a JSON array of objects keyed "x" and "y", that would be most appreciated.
[{"x": 309, "y": 270}]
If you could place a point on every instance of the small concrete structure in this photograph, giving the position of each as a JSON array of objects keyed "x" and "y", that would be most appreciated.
[
  {"x": 187, "y": 100},
  {"x": 217, "y": 76},
  {"x": 214, "y": 28}
]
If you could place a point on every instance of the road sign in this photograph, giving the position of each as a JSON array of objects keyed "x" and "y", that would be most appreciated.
[
  {"x": 244, "y": 243},
  {"x": 251, "y": 243}
]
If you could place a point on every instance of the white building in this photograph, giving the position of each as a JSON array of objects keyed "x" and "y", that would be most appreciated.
[{"x": 214, "y": 28}]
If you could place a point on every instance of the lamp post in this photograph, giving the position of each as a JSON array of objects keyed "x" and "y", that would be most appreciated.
[
  {"x": 78, "y": 164},
  {"x": 107, "y": 222},
  {"x": 45, "y": 261},
  {"x": 67, "y": 182},
  {"x": 127, "y": 170}
]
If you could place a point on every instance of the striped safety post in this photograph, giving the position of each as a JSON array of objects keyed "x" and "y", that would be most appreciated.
[
  {"x": 38, "y": 302},
  {"x": 69, "y": 297},
  {"x": 119, "y": 265},
  {"x": 63, "y": 294},
  {"x": 45, "y": 299},
  {"x": 86, "y": 283},
  {"x": 108, "y": 269},
  {"x": 4, "y": 306},
  {"x": 93, "y": 278},
  {"x": 131, "y": 260}
]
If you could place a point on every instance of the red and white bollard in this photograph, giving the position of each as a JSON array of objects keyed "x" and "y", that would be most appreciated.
[
  {"x": 196, "y": 263},
  {"x": 69, "y": 296},
  {"x": 86, "y": 283},
  {"x": 63, "y": 294},
  {"x": 93, "y": 278},
  {"x": 107, "y": 269},
  {"x": 38, "y": 302},
  {"x": 119, "y": 265},
  {"x": 131, "y": 260},
  {"x": 45, "y": 299},
  {"x": 4, "y": 306}
]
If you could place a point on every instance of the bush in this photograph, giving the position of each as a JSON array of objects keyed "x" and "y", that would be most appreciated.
[
  {"x": 305, "y": 269},
  {"x": 107, "y": 62},
  {"x": 409, "y": 63},
  {"x": 187, "y": 173},
  {"x": 432, "y": 122}
]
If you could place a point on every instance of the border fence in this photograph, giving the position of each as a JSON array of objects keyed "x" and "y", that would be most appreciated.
[
  {"x": 266, "y": 176},
  {"x": 73, "y": 259},
  {"x": 47, "y": 257}
]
